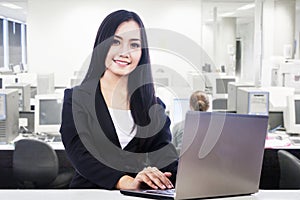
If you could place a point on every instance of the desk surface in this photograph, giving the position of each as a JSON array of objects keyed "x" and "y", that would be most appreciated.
[
  {"x": 116, "y": 195},
  {"x": 276, "y": 140},
  {"x": 280, "y": 140}
]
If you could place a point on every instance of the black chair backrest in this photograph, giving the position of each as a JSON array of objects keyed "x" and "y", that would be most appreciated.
[
  {"x": 35, "y": 163},
  {"x": 289, "y": 170}
]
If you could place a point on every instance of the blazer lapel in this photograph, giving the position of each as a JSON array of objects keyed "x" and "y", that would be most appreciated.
[{"x": 93, "y": 95}]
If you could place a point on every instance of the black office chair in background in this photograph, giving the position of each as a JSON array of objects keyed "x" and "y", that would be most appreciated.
[
  {"x": 289, "y": 170},
  {"x": 35, "y": 165}
]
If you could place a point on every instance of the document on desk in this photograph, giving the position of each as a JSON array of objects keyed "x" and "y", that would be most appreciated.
[
  {"x": 295, "y": 140},
  {"x": 275, "y": 141}
]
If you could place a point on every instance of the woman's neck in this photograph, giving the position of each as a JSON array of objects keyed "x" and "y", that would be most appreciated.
[{"x": 114, "y": 90}]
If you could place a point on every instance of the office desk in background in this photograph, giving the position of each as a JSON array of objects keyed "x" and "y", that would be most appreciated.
[
  {"x": 7, "y": 180},
  {"x": 270, "y": 169},
  {"x": 116, "y": 195},
  {"x": 269, "y": 176}
]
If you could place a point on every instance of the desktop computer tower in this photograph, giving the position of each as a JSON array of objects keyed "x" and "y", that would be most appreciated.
[
  {"x": 196, "y": 81},
  {"x": 232, "y": 94},
  {"x": 45, "y": 83},
  {"x": 24, "y": 95},
  {"x": 9, "y": 114},
  {"x": 252, "y": 100}
]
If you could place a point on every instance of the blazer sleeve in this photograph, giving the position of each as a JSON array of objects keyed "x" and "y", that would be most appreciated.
[
  {"x": 88, "y": 167},
  {"x": 163, "y": 139}
]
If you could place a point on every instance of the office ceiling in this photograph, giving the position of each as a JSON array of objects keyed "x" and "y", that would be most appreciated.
[
  {"x": 222, "y": 7},
  {"x": 14, "y": 13},
  {"x": 228, "y": 8}
]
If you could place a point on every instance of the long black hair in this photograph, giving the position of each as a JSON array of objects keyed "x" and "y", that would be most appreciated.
[{"x": 141, "y": 98}]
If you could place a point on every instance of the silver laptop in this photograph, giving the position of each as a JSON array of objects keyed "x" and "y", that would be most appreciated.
[{"x": 221, "y": 155}]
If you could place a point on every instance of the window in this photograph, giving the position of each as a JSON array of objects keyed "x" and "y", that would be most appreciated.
[
  {"x": 1, "y": 44},
  {"x": 13, "y": 47},
  {"x": 14, "y": 42}
]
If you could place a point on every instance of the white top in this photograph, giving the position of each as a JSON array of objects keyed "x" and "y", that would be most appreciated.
[{"x": 124, "y": 124}]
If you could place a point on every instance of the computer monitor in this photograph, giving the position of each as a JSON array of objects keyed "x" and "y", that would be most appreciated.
[
  {"x": 8, "y": 79},
  {"x": 219, "y": 104},
  {"x": 218, "y": 84},
  {"x": 9, "y": 115},
  {"x": 232, "y": 94},
  {"x": 253, "y": 101},
  {"x": 275, "y": 120},
  {"x": 196, "y": 81},
  {"x": 278, "y": 97},
  {"x": 47, "y": 117},
  {"x": 30, "y": 78},
  {"x": 180, "y": 107},
  {"x": 292, "y": 115},
  {"x": 220, "y": 88},
  {"x": 24, "y": 95}
]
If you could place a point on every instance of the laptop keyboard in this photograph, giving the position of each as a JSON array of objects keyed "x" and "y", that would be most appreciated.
[{"x": 165, "y": 192}]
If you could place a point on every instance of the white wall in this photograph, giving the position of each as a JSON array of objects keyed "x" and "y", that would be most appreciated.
[
  {"x": 284, "y": 26},
  {"x": 61, "y": 33},
  {"x": 208, "y": 39},
  {"x": 297, "y": 31}
]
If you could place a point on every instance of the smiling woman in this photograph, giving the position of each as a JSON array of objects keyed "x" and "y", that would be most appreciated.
[
  {"x": 114, "y": 128},
  {"x": 125, "y": 51}
]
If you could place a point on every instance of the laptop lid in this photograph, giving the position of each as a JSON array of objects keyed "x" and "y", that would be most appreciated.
[{"x": 221, "y": 155}]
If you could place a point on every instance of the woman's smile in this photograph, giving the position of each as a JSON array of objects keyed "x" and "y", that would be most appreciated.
[{"x": 122, "y": 62}]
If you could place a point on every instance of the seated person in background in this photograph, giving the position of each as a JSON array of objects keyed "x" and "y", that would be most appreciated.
[{"x": 199, "y": 101}]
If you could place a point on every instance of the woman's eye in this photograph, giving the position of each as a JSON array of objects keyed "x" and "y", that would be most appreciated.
[
  {"x": 115, "y": 42},
  {"x": 135, "y": 45}
]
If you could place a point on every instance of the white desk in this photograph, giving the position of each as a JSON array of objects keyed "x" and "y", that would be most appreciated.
[
  {"x": 277, "y": 140},
  {"x": 11, "y": 146},
  {"x": 280, "y": 140},
  {"x": 116, "y": 195}
]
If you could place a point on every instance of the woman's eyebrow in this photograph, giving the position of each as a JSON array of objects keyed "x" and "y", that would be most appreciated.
[
  {"x": 119, "y": 37},
  {"x": 131, "y": 39},
  {"x": 135, "y": 39}
]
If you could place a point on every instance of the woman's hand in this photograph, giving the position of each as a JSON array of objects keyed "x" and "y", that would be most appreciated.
[{"x": 150, "y": 176}]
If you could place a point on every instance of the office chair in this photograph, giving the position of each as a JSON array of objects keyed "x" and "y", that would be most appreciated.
[
  {"x": 289, "y": 170},
  {"x": 35, "y": 165}
]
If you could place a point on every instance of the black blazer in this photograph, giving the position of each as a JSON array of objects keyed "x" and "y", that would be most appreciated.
[{"x": 93, "y": 147}]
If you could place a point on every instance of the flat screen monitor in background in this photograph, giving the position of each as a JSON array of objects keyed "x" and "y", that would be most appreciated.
[
  {"x": 47, "y": 116},
  {"x": 9, "y": 115},
  {"x": 45, "y": 83},
  {"x": 180, "y": 107},
  {"x": 275, "y": 120},
  {"x": 219, "y": 104},
  {"x": 24, "y": 95},
  {"x": 292, "y": 115}
]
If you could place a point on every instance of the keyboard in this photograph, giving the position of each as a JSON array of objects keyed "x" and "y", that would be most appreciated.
[{"x": 164, "y": 192}]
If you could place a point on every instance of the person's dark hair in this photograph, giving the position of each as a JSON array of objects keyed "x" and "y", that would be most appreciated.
[
  {"x": 141, "y": 98},
  {"x": 199, "y": 101}
]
